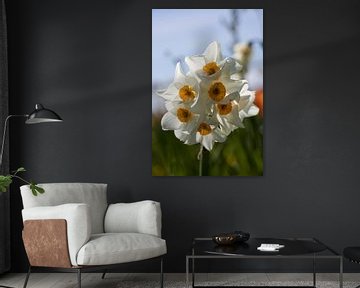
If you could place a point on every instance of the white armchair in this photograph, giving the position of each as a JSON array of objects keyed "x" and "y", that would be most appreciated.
[{"x": 72, "y": 228}]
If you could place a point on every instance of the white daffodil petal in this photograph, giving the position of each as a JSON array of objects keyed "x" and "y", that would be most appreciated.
[
  {"x": 230, "y": 97},
  {"x": 250, "y": 102},
  {"x": 234, "y": 86},
  {"x": 218, "y": 136},
  {"x": 233, "y": 96},
  {"x": 191, "y": 139},
  {"x": 179, "y": 75},
  {"x": 228, "y": 66},
  {"x": 243, "y": 103},
  {"x": 205, "y": 79},
  {"x": 198, "y": 137},
  {"x": 170, "y": 93},
  {"x": 212, "y": 53},
  {"x": 169, "y": 105},
  {"x": 173, "y": 106},
  {"x": 226, "y": 127},
  {"x": 191, "y": 125},
  {"x": 180, "y": 135},
  {"x": 208, "y": 142},
  {"x": 242, "y": 115},
  {"x": 245, "y": 88},
  {"x": 234, "y": 118},
  {"x": 170, "y": 122},
  {"x": 212, "y": 120},
  {"x": 195, "y": 63},
  {"x": 192, "y": 82},
  {"x": 252, "y": 96},
  {"x": 159, "y": 92},
  {"x": 236, "y": 69},
  {"x": 253, "y": 110},
  {"x": 178, "y": 85},
  {"x": 188, "y": 139}
]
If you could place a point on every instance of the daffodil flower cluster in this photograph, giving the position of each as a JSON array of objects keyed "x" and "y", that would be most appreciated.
[{"x": 206, "y": 104}]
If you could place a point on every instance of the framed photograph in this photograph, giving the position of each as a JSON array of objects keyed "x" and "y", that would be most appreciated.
[{"x": 207, "y": 89}]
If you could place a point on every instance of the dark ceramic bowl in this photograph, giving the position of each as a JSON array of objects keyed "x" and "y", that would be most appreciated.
[
  {"x": 241, "y": 236},
  {"x": 225, "y": 239},
  {"x": 231, "y": 238}
]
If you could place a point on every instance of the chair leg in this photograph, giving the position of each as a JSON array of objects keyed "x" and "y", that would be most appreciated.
[
  {"x": 103, "y": 275},
  {"x": 27, "y": 277},
  {"x": 161, "y": 273},
  {"x": 79, "y": 277}
]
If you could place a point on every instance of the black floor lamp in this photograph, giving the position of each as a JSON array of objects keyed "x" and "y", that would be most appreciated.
[{"x": 39, "y": 115}]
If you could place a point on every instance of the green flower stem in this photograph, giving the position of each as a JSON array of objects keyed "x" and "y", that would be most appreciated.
[{"x": 200, "y": 158}]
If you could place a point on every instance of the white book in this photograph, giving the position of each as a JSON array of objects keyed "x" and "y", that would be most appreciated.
[{"x": 270, "y": 247}]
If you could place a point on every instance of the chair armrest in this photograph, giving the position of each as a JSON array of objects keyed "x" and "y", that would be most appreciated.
[
  {"x": 77, "y": 218},
  {"x": 138, "y": 217}
]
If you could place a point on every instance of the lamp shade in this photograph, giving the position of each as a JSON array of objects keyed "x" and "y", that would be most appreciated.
[{"x": 42, "y": 115}]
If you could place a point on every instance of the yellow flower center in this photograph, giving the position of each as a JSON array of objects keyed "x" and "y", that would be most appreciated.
[
  {"x": 224, "y": 109},
  {"x": 217, "y": 91},
  {"x": 211, "y": 68},
  {"x": 184, "y": 115},
  {"x": 187, "y": 93},
  {"x": 204, "y": 129}
]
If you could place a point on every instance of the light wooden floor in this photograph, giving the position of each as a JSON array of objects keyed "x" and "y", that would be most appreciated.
[{"x": 113, "y": 280}]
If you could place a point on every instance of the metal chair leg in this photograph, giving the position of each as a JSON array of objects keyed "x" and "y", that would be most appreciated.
[
  {"x": 27, "y": 277},
  {"x": 79, "y": 277},
  {"x": 161, "y": 273},
  {"x": 3, "y": 286},
  {"x": 103, "y": 275}
]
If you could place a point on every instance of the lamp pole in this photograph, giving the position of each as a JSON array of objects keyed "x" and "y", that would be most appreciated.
[
  {"x": 2, "y": 152},
  {"x": 4, "y": 134},
  {"x": 39, "y": 115}
]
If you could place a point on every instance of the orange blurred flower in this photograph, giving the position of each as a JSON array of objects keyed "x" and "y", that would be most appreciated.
[{"x": 259, "y": 98}]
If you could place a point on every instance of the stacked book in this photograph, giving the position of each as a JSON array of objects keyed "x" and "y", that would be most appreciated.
[{"x": 270, "y": 247}]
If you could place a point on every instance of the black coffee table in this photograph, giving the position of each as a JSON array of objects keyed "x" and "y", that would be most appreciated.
[{"x": 295, "y": 248}]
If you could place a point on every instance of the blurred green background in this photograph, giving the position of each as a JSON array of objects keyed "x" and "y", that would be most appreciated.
[{"x": 240, "y": 155}]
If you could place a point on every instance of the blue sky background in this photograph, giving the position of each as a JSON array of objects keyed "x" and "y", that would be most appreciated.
[{"x": 177, "y": 33}]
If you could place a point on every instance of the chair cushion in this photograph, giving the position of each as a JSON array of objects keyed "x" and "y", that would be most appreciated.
[
  {"x": 137, "y": 217},
  {"x": 352, "y": 253},
  {"x": 113, "y": 248},
  {"x": 63, "y": 193}
]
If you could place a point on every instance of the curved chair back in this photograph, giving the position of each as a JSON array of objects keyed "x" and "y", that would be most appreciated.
[{"x": 92, "y": 194}]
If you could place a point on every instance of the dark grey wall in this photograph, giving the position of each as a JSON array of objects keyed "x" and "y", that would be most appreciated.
[
  {"x": 91, "y": 62},
  {"x": 4, "y": 166}
]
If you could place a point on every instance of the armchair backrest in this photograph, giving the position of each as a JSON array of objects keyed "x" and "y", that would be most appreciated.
[{"x": 55, "y": 194}]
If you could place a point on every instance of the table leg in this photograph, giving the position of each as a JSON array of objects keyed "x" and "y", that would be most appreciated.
[
  {"x": 341, "y": 273},
  {"x": 193, "y": 268},
  {"x": 193, "y": 272},
  {"x": 187, "y": 272},
  {"x": 314, "y": 271}
]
